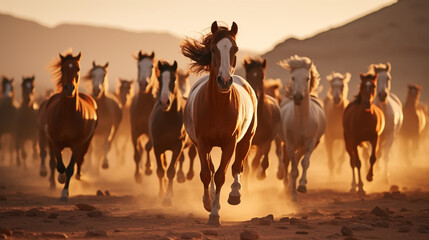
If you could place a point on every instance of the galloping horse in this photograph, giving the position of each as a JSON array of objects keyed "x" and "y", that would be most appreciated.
[
  {"x": 335, "y": 103},
  {"x": 166, "y": 128},
  {"x": 125, "y": 94},
  {"x": 221, "y": 111},
  {"x": 269, "y": 124},
  {"x": 414, "y": 121},
  {"x": 391, "y": 107},
  {"x": 109, "y": 113},
  {"x": 141, "y": 109},
  {"x": 303, "y": 119},
  {"x": 67, "y": 120},
  {"x": 26, "y": 127},
  {"x": 8, "y": 116},
  {"x": 363, "y": 121}
]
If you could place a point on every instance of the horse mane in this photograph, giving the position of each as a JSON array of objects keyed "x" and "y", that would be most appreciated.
[
  {"x": 379, "y": 67},
  {"x": 253, "y": 62},
  {"x": 199, "y": 50},
  {"x": 295, "y": 62},
  {"x": 336, "y": 75}
]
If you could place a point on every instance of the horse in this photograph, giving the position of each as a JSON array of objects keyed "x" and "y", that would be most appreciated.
[
  {"x": 8, "y": 111},
  {"x": 26, "y": 127},
  {"x": 68, "y": 119},
  {"x": 303, "y": 120},
  {"x": 363, "y": 121},
  {"x": 109, "y": 113},
  {"x": 141, "y": 108},
  {"x": 184, "y": 83},
  {"x": 125, "y": 94},
  {"x": 335, "y": 103},
  {"x": 268, "y": 112},
  {"x": 221, "y": 111},
  {"x": 166, "y": 128},
  {"x": 414, "y": 121},
  {"x": 391, "y": 107}
]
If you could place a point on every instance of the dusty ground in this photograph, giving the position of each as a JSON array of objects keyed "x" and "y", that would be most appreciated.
[{"x": 28, "y": 209}]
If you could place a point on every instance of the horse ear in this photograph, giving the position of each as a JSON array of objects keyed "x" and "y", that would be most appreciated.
[
  {"x": 175, "y": 65},
  {"x": 264, "y": 63},
  {"x": 362, "y": 75},
  {"x": 159, "y": 65},
  {"x": 61, "y": 56},
  {"x": 234, "y": 29},
  {"x": 78, "y": 56},
  {"x": 93, "y": 63},
  {"x": 140, "y": 54},
  {"x": 152, "y": 55},
  {"x": 388, "y": 66},
  {"x": 347, "y": 77},
  {"x": 214, "y": 27},
  {"x": 106, "y": 65}
]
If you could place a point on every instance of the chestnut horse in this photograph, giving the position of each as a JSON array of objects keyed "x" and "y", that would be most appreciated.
[
  {"x": 303, "y": 120},
  {"x": 363, "y": 121},
  {"x": 67, "y": 120},
  {"x": 269, "y": 124},
  {"x": 26, "y": 127},
  {"x": 166, "y": 128},
  {"x": 221, "y": 111},
  {"x": 8, "y": 117},
  {"x": 109, "y": 114},
  {"x": 414, "y": 122},
  {"x": 335, "y": 103},
  {"x": 141, "y": 109},
  {"x": 125, "y": 94},
  {"x": 391, "y": 107}
]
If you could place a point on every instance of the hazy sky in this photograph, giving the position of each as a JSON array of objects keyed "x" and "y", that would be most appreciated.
[{"x": 261, "y": 23}]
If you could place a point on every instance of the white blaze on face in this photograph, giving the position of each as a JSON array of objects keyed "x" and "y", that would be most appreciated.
[
  {"x": 300, "y": 82},
  {"x": 28, "y": 85},
  {"x": 145, "y": 67},
  {"x": 368, "y": 85},
  {"x": 224, "y": 47},
  {"x": 165, "y": 92}
]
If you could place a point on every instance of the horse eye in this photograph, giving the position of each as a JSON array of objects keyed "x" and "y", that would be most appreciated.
[{"x": 293, "y": 78}]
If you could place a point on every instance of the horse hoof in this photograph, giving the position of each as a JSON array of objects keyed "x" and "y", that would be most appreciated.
[
  {"x": 64, "y": 199},
  {"x": 190, "y": 176},
  {"x": 148, "y": 171},
  {"x": 138, "y": 178},
  {"x": 78, "y": 176},
  {"x": 43, "y": 173},
  {"x": 361, "y": 192},
  {"x": 105, "y": 165},
  {"x": 369, "y": 178},
  {"x": 181, "y": 177},
  {"x": 167, "y": 202},
  {"x": 261, "y": 176},
  {"x": 302, "y": 189},
  {"x": 234, "y": 200},
  {"x": 214, "y": 220},
  {"x": 62, "y": 178}
]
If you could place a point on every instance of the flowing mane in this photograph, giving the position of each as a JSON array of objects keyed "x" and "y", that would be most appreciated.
[
  {"x": 380, "y": 67},
  {"x": 296, "y": 62},
  {"x": 199, "y": 51}
]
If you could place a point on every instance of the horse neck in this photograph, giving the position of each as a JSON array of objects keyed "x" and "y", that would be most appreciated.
[
  {"x": 27, "y": 100},
  {"x": 261, "y": 100},
  {"x": 412, "y": 102},
  {"x": 213, "y": 93},
  {"x": 73, "y": 102},
  {"x": 303, "y": 111}
]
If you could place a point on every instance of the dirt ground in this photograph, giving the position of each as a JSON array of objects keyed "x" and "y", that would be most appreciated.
[{"x": 30, "y": 210}]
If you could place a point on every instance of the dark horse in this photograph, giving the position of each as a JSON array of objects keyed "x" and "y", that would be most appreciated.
[
  {"x": 26, "y": 127},
  {"x": 7, "y": 115},
  {"x": 66, "y": 120},
  {"x": 141, "y": 109},
  {"x": 363, "y": 121},
  {"x": 109, "y": 113},
  {"x": 221, "y": 111},
  {"x": 166, "y": 128},
  {"x": 269, "y": 122}
]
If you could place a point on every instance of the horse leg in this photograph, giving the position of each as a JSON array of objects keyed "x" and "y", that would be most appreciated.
[
  {"x": 256, "y": 162},
  {"x": 358, "y": 164},
  {"x": 305, "y": 163},
  {"x": 352, "y": 151},
  {"x": 192, "y": 153},
  {"x": 180, "y": 174},
  {"x": 43, "y": 155},
  {"x": 148, "y": 147},
  {"x": 286, "y": 161},
  {"x": 69, "y": 173},
  {"x": 265, "y": 149},
  {"x": 373, "y": 158},
  {"x": 137, "y": 159},
  {"x": 35, "y": 155},
  {"x": 52, "y": 165},
  {"x": 106, "y": 149},
  {"x": 160, "y": 170},
  {"x": 60, "y": 166},
  {"x": 279, "y": 152},
  {"x": 205, "y": 175},
  {"x": 329, "y": 145},
  {"x": 80, "y": 158},
  {"x": 342, "y": 157},
  {"x": 290, "y": 149},
  {"x": 171, "y": 172},
  {"x": 18, "y": 148}
]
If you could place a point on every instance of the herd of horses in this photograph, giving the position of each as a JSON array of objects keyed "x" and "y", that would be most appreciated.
[{"x": 220, "y": 110}]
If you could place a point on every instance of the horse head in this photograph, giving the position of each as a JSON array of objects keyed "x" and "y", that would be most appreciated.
[
  {"x": 167, "y": 76},
  {"x": 98, "y": 75},
  {"x": 338, "y": 86},
  {"x": 145, "y": 68},
  {"x": 70, "y": 67},
  {"x": 125, "y": 91},
  {"x": 183, "y": 77},
  {"x": 383, "y": 82},
  {"x": 255, "y": 73},
  {"x": 27, "y": 86},
  {"x": 7, "y": 87},
  {"x": 368, "y": 86}
]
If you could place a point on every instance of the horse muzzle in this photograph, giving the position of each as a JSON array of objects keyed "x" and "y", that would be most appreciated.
[
  {"x": 337, "y": 100},
  {"x": 165, "y": 105},
  {"x": 297, "y": 99},
  {"x": 224, "y": 85},
  {"x": 382, "y": 96},
  {"x": 69, "y": 90}
]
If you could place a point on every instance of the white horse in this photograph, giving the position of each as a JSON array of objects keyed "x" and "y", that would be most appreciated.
[
  {"x": 334, "y": 103},
  {"x": 391, "y": 106},
  {"x": 303, "y": 119}
]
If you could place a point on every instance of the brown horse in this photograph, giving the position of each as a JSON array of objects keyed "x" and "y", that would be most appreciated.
[
  {"x": 125, "y": 94},
  {"x": 26, "y": 127},
  {"x": 109, "y": 113},
  {"x": 335, "y": 103},
  {"x": 8, "y": 116},
  {"x": 166, "y": 128},
  {"x": 221, "y": 111},
  {"x": 414, "y": 121},
  {"x": 269, "y": 122},
  {"x": 363, "y": 121},
  {"x": 141, "y": 109},
  {"x": 67, "y": 120}
]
